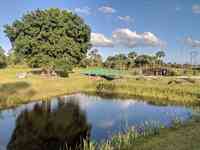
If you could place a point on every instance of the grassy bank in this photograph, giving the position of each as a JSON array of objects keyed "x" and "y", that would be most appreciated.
[
  {"x": 179, "y": 137},
  {"x": 15, "y": 91},
  {"x": 156, "y": 90}
]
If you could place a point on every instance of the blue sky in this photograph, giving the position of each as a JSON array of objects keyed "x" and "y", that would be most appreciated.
[{"x": 145, "y": 26}]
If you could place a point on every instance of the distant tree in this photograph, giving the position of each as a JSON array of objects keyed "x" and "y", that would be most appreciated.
[
  {"x": 95, "y": 59},
  {"x": 142, "y": 60},
  {"x": 110, "y": 62},
  {"x": 119, "y": 61},
  {"x": 43, "y": 37},
  {"x": 3, "y": 59},
  {"x": 132, "y": 56},
  {"x": 159, "y": 56}
]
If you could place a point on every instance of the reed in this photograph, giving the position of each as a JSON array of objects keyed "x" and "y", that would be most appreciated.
[{"x": 153, "y": 136}]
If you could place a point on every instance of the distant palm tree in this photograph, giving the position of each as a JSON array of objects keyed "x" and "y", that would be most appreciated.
[{"x": 159, "y": 56}]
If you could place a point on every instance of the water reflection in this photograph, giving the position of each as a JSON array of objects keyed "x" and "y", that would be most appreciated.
[
  {"x": 50, "y": 127},
  {"x": 67, "y": 120}
]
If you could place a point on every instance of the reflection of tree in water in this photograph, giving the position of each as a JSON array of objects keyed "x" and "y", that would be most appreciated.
[{"x": 47, "y": 128}]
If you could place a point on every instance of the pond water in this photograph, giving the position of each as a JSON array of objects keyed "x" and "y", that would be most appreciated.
[{"x": 47, "y": 125}]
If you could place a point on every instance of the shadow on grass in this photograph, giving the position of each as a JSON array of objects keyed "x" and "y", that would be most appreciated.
[
  {"x": 12, "y": 88},
  {"x": 15, "y": 92}
]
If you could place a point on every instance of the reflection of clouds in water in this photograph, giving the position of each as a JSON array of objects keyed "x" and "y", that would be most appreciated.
[
  {"x": 126, "y": 104},
  {"x": 85, "y": 104},
  {"x": 106, "y": 123},
  {"x": 83, "y": 101}
]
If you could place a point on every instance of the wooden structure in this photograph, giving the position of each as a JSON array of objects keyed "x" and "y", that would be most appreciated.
[{"x": 157, "y": 71}]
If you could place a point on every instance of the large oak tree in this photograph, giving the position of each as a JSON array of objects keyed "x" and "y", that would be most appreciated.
[{"x": 50, "y": 38}]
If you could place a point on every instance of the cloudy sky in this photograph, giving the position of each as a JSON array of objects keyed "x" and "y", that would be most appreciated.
[{"x": 144, "y": 26}]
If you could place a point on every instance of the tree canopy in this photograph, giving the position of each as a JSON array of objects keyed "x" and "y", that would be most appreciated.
[{"x": 47, "y": 38}]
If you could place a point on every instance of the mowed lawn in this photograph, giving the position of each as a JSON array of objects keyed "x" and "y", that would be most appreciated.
[{"x": 35, "y": 87}]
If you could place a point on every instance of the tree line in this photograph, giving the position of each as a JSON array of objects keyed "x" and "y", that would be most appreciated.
[{"x": 123, "y": 61}]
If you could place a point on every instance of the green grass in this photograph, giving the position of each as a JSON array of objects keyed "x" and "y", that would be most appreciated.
[
  {"x": 155, "y": 90},
  {"x": 40, "y": 87},
  {"x": 15, "y": 91}
]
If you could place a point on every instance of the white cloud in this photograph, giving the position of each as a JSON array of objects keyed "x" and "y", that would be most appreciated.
[
  {"x": 125, "y": 18},
  {"x": 191, "y": 42},
  {"x": 100, "y": 40},
  {"x": 127, "y": 38},
  {"x": 107, "y": 9},
  {"x": 85, "y": 10},
  {"x": 196, "y": 8}
]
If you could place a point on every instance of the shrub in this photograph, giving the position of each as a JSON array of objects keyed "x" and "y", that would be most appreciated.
[{"x": 103, "y": 86}]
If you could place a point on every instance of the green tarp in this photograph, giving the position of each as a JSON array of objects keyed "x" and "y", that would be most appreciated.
[{"x": 102, "y": 72}]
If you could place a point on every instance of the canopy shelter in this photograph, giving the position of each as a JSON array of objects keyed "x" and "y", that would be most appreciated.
[{"x": 108, "y": 74}]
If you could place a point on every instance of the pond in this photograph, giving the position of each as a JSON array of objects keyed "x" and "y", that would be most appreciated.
[{"x": 47, "y": 125}]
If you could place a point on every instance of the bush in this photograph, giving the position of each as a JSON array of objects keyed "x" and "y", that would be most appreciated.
[
  {"x": 62, "y": 67},
  {"x": 105, "y": 87}
]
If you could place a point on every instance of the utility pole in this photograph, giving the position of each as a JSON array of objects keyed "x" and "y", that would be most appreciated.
[{"x": 194, "y": 57}]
